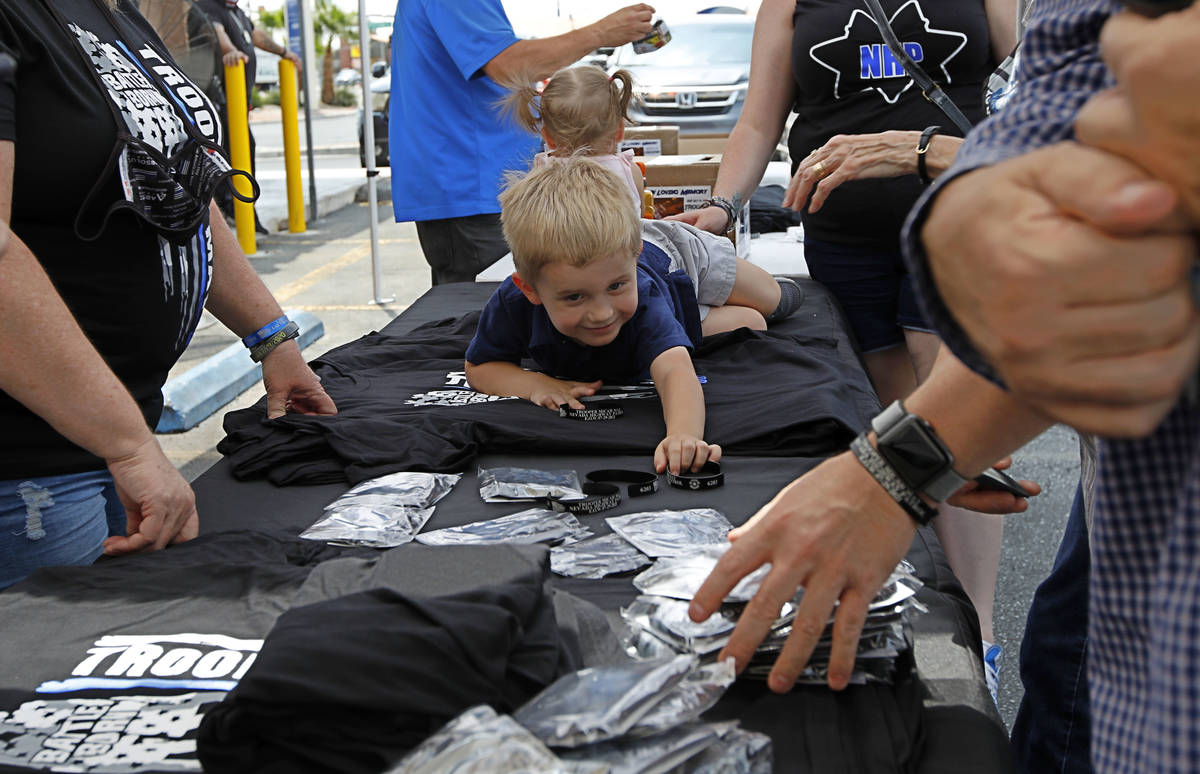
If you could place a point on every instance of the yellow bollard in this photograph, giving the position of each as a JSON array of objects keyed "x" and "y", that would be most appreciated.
[
  {"x": 291, "y": 145},
  {"x": 239, "y": 153}
]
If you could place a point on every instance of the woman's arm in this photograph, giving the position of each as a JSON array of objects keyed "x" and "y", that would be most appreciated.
[
  {"x": 1002, "y": 26},
  {"x": 48, "y": 365},
  {"x": 241, "y": 301},
  {"x": 769, "y": 98}
]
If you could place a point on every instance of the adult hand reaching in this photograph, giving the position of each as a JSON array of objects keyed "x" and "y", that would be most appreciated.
[
  {"x": 160, "y": 505},
  {"x": 835, "y": 532},
  {"x": 620, "y": 27},
  {"x": 711, "y": 219},
  {"x": 1033, "y": 257},
  {"x": 291, "y": 385},
  {"x": 861, "y": 156},
  {"x": 1152, "y": 116}
]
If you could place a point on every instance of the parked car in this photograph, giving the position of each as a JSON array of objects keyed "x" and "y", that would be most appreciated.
[
  {"x": 697, "y": 81},
  {"x": 347, "y": 76},
  {"x": 381, "y": 91}
]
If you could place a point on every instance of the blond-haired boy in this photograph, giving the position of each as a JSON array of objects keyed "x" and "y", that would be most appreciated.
[{"x": 599, "y": 295}]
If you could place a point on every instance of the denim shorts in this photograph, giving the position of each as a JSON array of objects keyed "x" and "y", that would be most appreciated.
[
  {"x": 56, "y": 520},
  {"x": 873, "y": 288}
]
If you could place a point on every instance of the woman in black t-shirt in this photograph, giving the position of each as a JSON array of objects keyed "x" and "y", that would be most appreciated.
[
  {"x": 826, "y": 61},
  {"x": 108, "y": 160}
]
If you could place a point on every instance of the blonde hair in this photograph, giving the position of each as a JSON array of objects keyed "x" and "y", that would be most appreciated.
[
  {"x": 572, "y": 212},
  {"x": 580, "y": 108}
]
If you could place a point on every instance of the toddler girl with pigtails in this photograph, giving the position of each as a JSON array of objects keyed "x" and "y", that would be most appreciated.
[{"x": 582, "y": 110}]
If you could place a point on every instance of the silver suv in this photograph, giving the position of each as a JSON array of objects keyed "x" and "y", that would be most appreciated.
[{"x": 698, "y": 80}]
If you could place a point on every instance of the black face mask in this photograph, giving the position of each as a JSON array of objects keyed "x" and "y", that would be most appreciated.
[{"x": 171, "y": 195}]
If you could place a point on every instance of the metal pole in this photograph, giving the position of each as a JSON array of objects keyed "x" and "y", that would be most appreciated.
[
  {"x": 364, "y": 64},
  {"x": 306, "y": 49}
]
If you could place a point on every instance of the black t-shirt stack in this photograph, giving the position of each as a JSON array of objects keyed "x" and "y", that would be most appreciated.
[
  {"x": 136, "y": 295},
  {"x": 848, "y": 82},
  {"x": 404, "y": 404}
]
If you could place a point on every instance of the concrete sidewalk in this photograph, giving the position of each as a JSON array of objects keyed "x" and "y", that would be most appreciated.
[{"x": 340, "y": 176}]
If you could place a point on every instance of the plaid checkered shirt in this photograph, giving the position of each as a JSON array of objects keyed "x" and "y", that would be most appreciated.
[{"x": 1144, "y": 607}]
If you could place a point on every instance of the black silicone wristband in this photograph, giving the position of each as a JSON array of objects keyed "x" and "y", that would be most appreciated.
[
  {"x": 708, "y": 477},
  {"x": 592, "y": 411},
  {"x": 640, "y": 484}
]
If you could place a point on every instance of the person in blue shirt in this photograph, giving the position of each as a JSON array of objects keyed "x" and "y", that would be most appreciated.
[
  {"x": 449, "y": 142},
  {"x": 598, "y": 296}
]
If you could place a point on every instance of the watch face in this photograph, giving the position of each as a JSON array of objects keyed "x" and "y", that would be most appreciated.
[{"x": 913, "y": 452}]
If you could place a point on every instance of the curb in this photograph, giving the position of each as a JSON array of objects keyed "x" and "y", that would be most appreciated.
[
  {"x": 193, "y": 396},
  {"x": 321, "y": 150},
  {"x": 329, "y": 203}
]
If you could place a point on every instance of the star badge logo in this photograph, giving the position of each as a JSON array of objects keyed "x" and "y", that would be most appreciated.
[{"x": 859, "y": 60}]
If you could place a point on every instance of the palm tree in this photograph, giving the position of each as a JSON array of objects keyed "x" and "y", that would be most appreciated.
[{"x": 329, "y": 22}]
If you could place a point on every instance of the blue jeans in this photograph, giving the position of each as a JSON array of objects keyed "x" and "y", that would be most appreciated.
[
  {"x": 56, "y": 520},
  {"x": 1052, "y": 731}
]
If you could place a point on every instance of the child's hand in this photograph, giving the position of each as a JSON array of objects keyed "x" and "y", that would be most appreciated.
[
  {"x": 555, "y": 392},
  {"x": 684, "y": 452}
]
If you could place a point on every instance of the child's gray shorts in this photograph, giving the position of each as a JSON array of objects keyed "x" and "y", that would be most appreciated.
[{"x": 708, "y": 259}]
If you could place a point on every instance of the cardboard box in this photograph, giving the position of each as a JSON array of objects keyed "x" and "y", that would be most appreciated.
[
  {"x": 703, "y": 143},
  {"x": 651, "y": 140},
  {"x": 682, "y": 183}
]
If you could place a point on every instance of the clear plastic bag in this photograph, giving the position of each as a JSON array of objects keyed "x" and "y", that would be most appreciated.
[
  {"x": 667, "y": 620},
  {"x": 498, "y": 485},
  {"x": 535, "y": 525},
  {"x": 692, "y": 696},
  {"x": 481, "y": 742},
  {"x": 382, "y": 512},
  {"x": 737, "y": 752},
  {"x": 600, "y": 703},
  {"x": 672, "y": 533},
  {"x": 376, "y": 527},
  {"x": 597, "y": 557},
  {"x": 648, "y": 754},
  {"x": 680, "y": 577},
  {"x": 418, "y": 490}
]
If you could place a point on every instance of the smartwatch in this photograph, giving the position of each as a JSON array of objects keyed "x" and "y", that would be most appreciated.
[{"x": 916, "y": 452}]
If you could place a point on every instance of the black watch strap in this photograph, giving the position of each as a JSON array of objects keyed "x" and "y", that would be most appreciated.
[
  {"x": 940, "y": 485},
  {"x": 922, "y": 148},
  {"x": 883, "y": 472}
]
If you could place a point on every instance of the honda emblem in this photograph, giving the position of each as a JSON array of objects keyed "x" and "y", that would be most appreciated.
[{"x": 685, "y": 99}]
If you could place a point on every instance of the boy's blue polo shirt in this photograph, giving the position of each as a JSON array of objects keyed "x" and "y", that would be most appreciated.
[
  {"x": 449, "y": 144},
  {"x": 511, "y": 328}
]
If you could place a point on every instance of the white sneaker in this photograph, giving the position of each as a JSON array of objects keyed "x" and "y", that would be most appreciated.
[{"x": 992, "y": 653}]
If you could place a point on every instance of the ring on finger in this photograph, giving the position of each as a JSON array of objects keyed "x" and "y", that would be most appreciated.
[{"x": 818, "y": 169}]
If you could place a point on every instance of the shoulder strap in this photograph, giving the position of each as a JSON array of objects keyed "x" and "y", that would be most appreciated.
[{"x": 931, "y": 90}]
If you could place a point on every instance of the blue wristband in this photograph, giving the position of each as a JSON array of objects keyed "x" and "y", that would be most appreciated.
[{"x": 266, "y": 332}]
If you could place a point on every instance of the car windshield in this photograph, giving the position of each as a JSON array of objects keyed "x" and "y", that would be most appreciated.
[{"x": 694, "y": 45}]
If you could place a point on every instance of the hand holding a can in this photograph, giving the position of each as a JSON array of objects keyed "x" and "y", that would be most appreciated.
[{"x": 632, "y": 22}]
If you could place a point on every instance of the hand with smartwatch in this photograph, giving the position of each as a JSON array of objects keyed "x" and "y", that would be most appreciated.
[{"x": 840, "y": 529}]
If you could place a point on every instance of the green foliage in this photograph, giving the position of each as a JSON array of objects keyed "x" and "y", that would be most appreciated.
[
  {"x": 271, "y": 20},
  {"x": 329, "y": 22},
  {"x": 343, "y": 97},
  {"x": 269, "y": 97}
]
